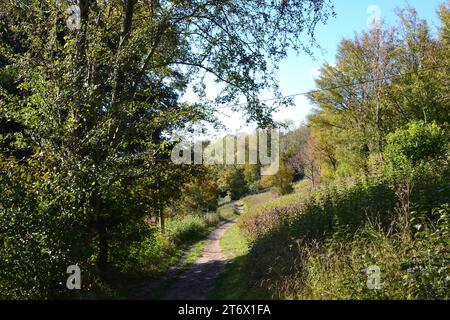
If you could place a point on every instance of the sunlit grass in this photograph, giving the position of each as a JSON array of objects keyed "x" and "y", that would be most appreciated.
[
  {"x": 195, "y": 252},
  {"x": 232, "y": 283},
  {"x": 233, "y": 243}
]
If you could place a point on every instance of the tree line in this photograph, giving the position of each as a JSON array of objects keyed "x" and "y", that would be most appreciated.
[{"x": 88, "y": 112}]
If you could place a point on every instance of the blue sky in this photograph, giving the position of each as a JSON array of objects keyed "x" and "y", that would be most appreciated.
[{"x": 297, "y": 72}]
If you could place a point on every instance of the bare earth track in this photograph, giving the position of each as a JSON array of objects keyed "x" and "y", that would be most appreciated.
[{"x": 199, "y": 278}]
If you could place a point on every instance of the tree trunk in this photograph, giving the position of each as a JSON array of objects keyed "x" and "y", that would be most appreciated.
[
  {"x": 162, "y": 222},
  {"x": 103, "y": 249},
  {"x": 379, "y": 131},
  {"x": 102, "y": 231},
  {"x": 118, "y": 74}
]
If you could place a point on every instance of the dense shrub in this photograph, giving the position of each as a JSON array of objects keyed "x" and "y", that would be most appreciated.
[
  {"x": 415, "y": 143},
  {"x": 231, "y": 181},
  {"x": 281, "y": 182},
  {"x": 200, "y": 195},
  {"x": 412, "y": 266},
  {"x": 41, "y": 229}
]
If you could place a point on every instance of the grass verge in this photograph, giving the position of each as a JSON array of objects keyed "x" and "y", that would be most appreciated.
[
  {"x": 231, "y": 283},
  {"x": 185, "y": 238}
]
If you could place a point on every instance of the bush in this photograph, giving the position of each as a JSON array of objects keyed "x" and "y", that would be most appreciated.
[
  {"x": 281, "y": 181},
  {"x": 42, "y": 219},
  {"x": 185, "y": 228},
  {"x": 232, "y": 181},
  {"x": 412, "y": 146},
  {"x": 326, "y": 209},
  {"x": 200, "y": 195}
]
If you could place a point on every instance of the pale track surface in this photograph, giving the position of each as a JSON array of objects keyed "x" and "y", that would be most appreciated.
[{"x": 199, "y": 278}]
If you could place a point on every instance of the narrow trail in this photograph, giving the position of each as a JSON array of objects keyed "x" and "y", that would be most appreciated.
[{"x": 199, "y": 278}]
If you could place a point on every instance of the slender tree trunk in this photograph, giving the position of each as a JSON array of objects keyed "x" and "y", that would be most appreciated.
[
  {"x": 103, "y": 248},
  {"x": 379, "y": 130},
  {"x": 118, "y": 74},
  {"x": 102, "y": 231},
  {"x": 162, "y": 221}
]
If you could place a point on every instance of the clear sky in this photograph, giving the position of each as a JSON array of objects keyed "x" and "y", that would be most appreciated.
[{"x": 297, "y": 72}]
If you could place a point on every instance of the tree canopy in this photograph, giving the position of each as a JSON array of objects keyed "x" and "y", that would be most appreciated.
[{"x": 90, "y": 94}]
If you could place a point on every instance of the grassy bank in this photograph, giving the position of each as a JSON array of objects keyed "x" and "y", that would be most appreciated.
[
  {"x": 318, "y": 245},
  {"x": 233, "y": 283}
]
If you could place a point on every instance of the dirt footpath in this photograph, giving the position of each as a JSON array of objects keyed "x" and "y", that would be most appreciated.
[{"x": 196, "y": 281}]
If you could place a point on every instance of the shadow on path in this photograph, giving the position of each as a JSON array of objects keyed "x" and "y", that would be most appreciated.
[{"x": 199, "y": 278}]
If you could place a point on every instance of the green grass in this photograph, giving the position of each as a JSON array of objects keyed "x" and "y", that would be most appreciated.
[
  {"x": 233, "y": 243},
  {"x": 195, "y": 252},
  {"x": 270, "y": 199},
  {"x": 158, "y": 253},
  {"x": 260, "y": 207},
  {"x": 226, "y": 212},
  {"x": 314, "y": 245},
  {"x": 189, "y": 233},
  {"x": 231, "y": 283},
  {"x": 258, "y": 199}
]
